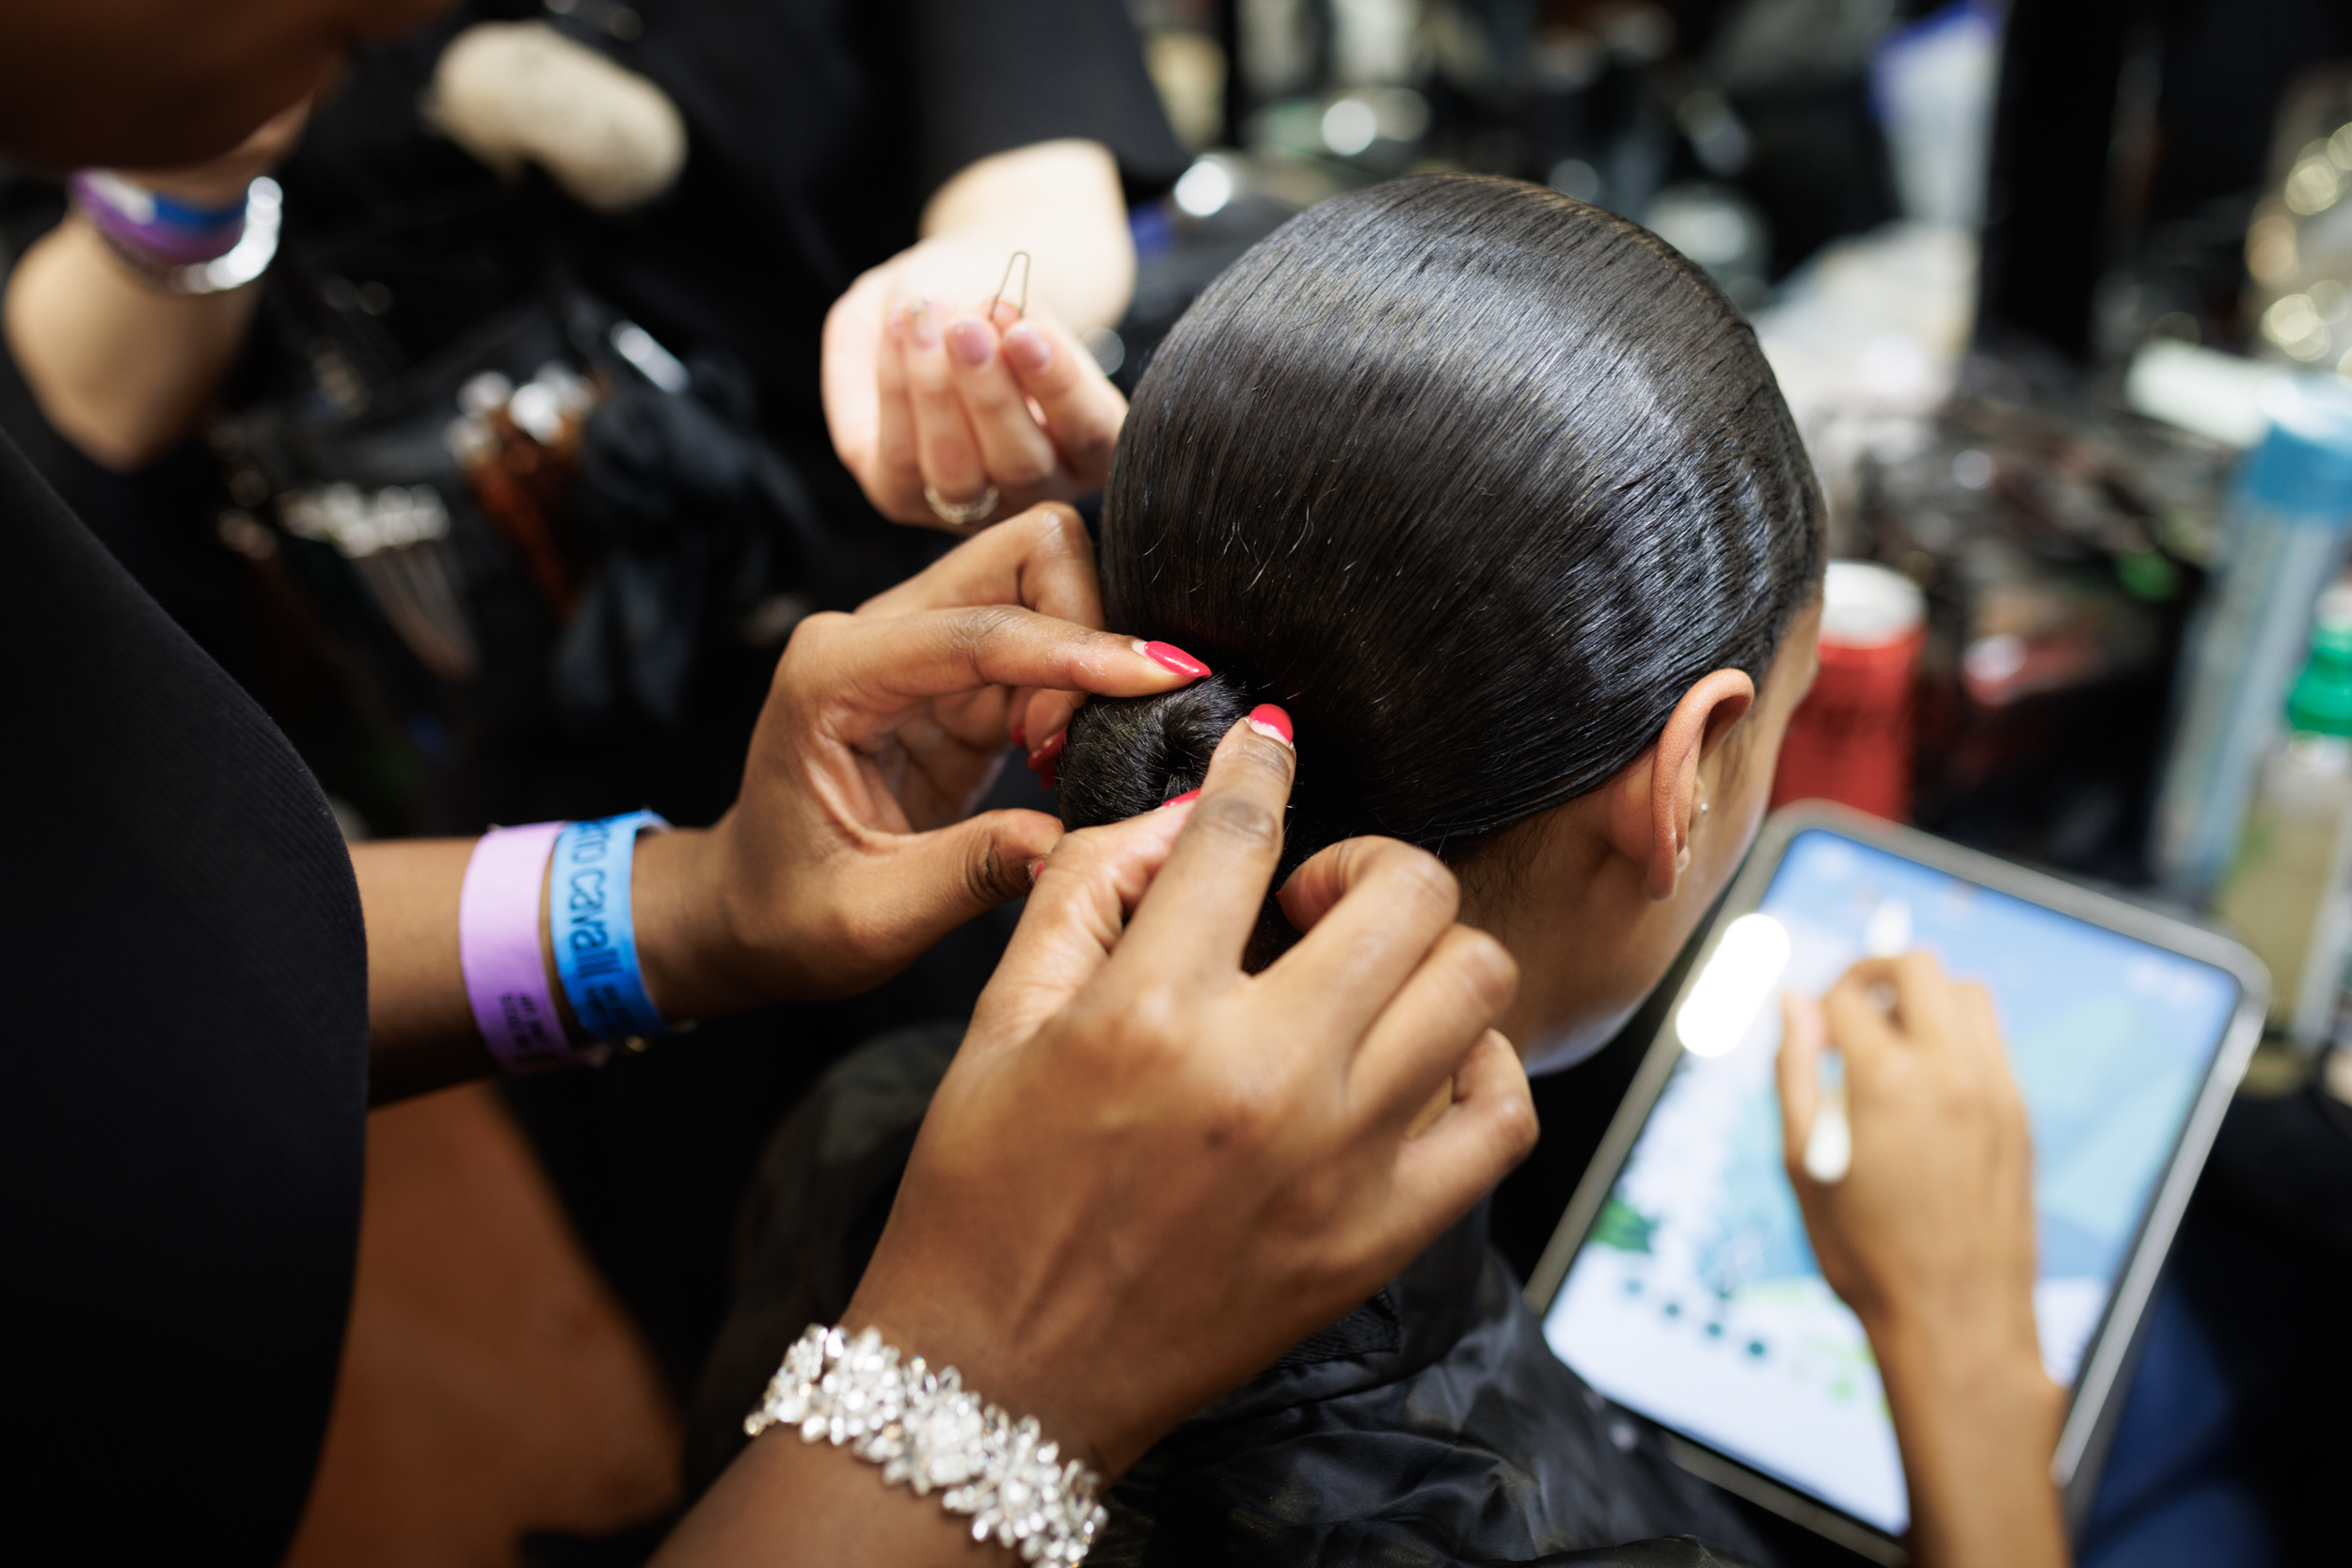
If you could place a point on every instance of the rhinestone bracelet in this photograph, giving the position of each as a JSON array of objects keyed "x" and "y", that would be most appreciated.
[{"x": 926, "y": 1428}]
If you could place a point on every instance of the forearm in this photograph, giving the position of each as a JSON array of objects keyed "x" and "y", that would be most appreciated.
[
  {"x": 120, "y": 369},
  {"x": 785, "y": 1500},
  {"x": 1061, "y": 202},
  {"x": 1977, "y": 1421},
  {"x": 422, "y": 1034}
]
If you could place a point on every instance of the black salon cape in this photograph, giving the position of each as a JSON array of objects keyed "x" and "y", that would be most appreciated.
[
  {"x": 1431, "y": 1427},
  {"x": 184, "y": 973}
]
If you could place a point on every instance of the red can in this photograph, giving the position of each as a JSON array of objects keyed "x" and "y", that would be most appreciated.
[{"x": 1850, "y": 740}]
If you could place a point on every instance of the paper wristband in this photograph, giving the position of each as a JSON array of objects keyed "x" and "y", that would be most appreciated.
[
  {"x": 172, "y": 234},
  {"x": 498, "y": 947},
  {"x": 596, "y": 931}
]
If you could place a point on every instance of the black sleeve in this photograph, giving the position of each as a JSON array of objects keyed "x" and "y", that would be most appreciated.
[
  {"x": 992, "y": 76},
  {"x": 184, "y": 1106}
]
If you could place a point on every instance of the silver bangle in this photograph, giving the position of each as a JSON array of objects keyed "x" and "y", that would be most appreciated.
[
  {"x": 927, "y": 1430},
  {"x": 962, "y": 513},
  {"x": 244, "y": 261}
]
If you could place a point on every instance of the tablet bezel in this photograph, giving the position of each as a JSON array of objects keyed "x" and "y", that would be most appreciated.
[{"x": 2092, "y": 1406}]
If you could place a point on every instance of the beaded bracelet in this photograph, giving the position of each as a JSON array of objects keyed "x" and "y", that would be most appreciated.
[{"x": 925, "y": 1429}]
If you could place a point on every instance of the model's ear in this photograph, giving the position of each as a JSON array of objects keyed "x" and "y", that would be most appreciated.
[{"x": 1653, "y": 802}]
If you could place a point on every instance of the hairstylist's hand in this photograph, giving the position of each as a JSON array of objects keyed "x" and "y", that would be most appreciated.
[
  {"x": 927, "y": 383},
  {"x": 847, "y": 854},
  {"x": 1929, "y": 1238},
  {"x": 1148, "y": 1173}
]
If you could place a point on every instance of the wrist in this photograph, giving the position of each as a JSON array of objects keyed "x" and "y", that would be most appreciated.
[
  {"x": 950, "y": 1334},
  {"x": 1977, "y": 1419},
  {"x": 688, "y": 943}
]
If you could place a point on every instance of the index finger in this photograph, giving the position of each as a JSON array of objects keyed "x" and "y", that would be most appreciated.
[
  {"x": 1196, "y": 923},
  {"x": 1799, "y": 1066},
  {"x": 1926, "y": 1002},
  {"x": 1040, "y": 560},
  {"x": 886, "y": 663}
]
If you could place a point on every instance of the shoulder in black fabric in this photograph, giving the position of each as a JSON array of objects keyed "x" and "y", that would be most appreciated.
[
  {"x": 1431, "y": 1426},
  {"x": 182, "y": 1126}
]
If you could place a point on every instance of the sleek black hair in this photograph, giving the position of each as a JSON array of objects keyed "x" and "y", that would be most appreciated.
[{"x": 1475, "y": 481}]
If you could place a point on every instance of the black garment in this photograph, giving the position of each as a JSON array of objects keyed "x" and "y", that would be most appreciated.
[
  {"x": 1431, "y": 1426},
  {"x": 180, "y": 1137}
]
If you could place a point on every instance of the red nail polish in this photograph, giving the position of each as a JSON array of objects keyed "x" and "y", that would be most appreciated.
[
  {"x": 1272, "y": 722},
  {"x": 1042, "y": 758},
  {"x": 1018, "y": 732},
  {"x": 1036, "y": 868},
  {"x": 1169, "y": 657},
  {"x": 1179, "y": 799}
]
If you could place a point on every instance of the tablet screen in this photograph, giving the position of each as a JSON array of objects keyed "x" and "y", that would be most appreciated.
[{"x": 1695, "y": 1300}]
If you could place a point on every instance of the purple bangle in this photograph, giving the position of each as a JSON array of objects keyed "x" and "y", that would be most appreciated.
[
  {"x": 497, "y": 945},
  {"x": 154, "y": 227}
]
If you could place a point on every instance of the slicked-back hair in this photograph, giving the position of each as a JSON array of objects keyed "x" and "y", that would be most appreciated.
[{"x": 1476, "y": 480}]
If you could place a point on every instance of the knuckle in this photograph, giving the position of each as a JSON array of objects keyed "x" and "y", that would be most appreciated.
[
  {"x": 988, "y": 882},
  {"x": 806, "y": 646},
  {"x": 1237, "y": 1115},
  {"x": 1517, "y": 1127},
  {"x": 1024, "y": 469},
  {"x": 1150, "y": 1022},
  {"x": 979, "y": 624},
  {"x": 1246, "y": 825},
  {"x": 1417, "y": 875},
  {"x": 1487, "y": 971}
]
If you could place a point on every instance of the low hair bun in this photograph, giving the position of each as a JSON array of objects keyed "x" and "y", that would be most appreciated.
[{"x": 1126, "y": 755}]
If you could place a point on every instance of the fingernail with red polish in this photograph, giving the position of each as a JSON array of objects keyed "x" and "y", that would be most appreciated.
[
  {"x": 1026, "y": 350},
  {"x": 1169, "y": 657},
  {"x": 968, "y": 340},
  {"x": 1272, "y": 722},
  {"x": 1036, "y": 868},
  {"x": 1179, "y": 799},
  {"x": 1018, "y": 732},
  {"x": 1042, "y": 758},
  {"x": 922, "y": 327}
]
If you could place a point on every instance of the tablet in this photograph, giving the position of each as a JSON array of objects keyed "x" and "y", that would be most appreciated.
[{"x": 1679, "y": 1283}]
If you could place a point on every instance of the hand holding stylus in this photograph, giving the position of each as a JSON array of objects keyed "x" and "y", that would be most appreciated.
[{"x": 1926, "y": 1229}]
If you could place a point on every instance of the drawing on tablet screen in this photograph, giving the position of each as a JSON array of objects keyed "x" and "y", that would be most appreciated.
[{"x": 1697, "y": 1301}]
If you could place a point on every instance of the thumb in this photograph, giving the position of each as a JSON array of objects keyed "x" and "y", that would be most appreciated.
[
  {"x": 1452, "y": 1160},
  {"x": 932, "y": 882},
  {"x": 1800, "y": 1066},
  {"x": 1074, "y": 918}
]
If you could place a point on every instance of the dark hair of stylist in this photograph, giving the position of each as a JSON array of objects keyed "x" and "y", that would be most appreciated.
[{"x": 205, "y": 992}]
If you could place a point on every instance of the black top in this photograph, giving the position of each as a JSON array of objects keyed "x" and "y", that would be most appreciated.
[
  {"x": 816, "y": 132},
  {"x": 1431, "y": 1426},
  {"x": 181, "y": 1134}
]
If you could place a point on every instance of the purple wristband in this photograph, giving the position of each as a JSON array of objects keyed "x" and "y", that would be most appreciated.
[
  {"x": 497, "y": 945},
  {"x": 155, "y": 228}
]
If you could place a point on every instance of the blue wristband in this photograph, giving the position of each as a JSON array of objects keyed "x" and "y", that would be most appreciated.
[{"x": 593, "y": 929}]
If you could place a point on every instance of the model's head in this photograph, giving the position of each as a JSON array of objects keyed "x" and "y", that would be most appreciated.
[{"x": 1496, "y": 493}]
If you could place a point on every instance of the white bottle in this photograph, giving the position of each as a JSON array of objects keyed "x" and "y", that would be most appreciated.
[{"x": 2289, "y": 894}]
